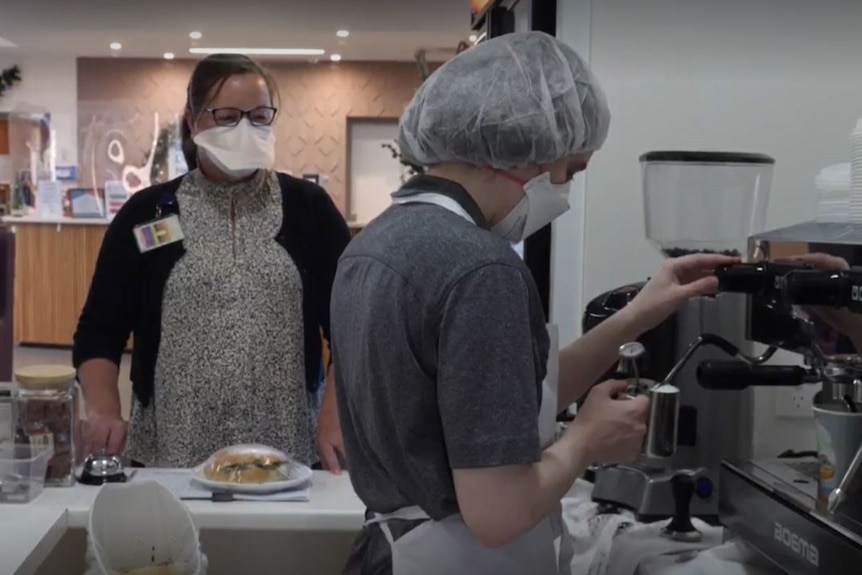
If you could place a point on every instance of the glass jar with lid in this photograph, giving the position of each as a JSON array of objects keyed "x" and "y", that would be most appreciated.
[{"x": 46, "y": 413}]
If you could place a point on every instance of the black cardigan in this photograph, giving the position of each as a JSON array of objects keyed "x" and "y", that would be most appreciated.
[{"x": 127, "y": 287}]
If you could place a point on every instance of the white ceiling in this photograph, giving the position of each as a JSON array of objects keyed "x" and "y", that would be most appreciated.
[{"x": 379, "y": 29}]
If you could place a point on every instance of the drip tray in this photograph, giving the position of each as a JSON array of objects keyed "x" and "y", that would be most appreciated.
[{"x": 773, "y": 506}]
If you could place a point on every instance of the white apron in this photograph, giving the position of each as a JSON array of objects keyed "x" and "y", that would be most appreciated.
[{"x": 448, "y": 547}]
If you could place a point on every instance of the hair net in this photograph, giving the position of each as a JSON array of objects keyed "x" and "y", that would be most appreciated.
[{"x": 512, "y": 101}]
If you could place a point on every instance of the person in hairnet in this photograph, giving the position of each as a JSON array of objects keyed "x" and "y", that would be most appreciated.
[{"x": 448, "y": 378}]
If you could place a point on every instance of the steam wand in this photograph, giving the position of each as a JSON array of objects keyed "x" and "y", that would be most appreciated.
[{"x": 721, "y": 343}]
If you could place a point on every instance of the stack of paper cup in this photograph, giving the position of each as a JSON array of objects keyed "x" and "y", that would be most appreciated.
[
  {"x": 856, "y": 174},
  {"x": 833, "y": 193}
]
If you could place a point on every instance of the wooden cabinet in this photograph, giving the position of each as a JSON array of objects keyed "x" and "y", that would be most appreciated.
[
  {"x": 54, "y": 264},
  {"x": 4, "y": 137}
]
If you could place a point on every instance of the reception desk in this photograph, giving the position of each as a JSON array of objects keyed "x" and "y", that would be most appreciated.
[{"x": 54, "y": 263}]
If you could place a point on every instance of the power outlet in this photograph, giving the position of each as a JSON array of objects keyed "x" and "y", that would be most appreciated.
[{"x": 795, "y": 402}]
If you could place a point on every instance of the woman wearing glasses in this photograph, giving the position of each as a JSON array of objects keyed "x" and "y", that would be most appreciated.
[{"x": 223, "y": 278}]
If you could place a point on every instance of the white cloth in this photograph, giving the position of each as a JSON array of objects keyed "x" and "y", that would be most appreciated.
[
  {"x": 616, "y": 544},
  {"x": 644, "y": 541},
  {"x": 731, "y": 558},
  {"x": 593, "y": 535}
]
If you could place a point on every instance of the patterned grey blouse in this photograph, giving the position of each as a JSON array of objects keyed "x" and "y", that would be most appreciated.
[{"x": 230, "y": 366}]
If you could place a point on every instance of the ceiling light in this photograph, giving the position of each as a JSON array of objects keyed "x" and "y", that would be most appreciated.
[
  {"x": 260, "y": 51},
  {"x": 169, "y": 55},
  {"x": 343, "y": 33},
  {"x": 195, "y": 35},
  {"x": 116, "y": 46},
  {"x": 335, "y": 57}
]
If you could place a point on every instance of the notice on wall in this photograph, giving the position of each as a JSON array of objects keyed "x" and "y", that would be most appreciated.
[
  {"x": 49, "y": 199},
  {"x": 116, "y": 196}
]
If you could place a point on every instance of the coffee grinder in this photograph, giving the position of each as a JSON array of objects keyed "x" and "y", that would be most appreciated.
[{"x": 694, "y": 202}]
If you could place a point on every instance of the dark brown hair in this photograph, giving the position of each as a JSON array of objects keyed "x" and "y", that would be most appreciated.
[{"x": 207, "y": 79}]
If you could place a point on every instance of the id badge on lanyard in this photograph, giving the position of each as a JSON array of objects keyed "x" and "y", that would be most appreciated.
[{"x": 161, "y": 231}]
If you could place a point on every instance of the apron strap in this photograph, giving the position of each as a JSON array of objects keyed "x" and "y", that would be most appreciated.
[
  {"x": 387, "y": 533},
  {"x": 412, "y": 513},
  {"x": 444, "y": 202}
]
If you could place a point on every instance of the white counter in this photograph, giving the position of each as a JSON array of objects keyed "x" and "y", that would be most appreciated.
[
  {"x": 28, "y": 533},
  {"x": 64, "y": 220},
  {"x": 60, "y": 221}
]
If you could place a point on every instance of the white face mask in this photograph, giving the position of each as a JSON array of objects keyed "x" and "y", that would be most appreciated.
[
  {"x": 543, "y": 202},
  {"x": 239, "y": 150}
]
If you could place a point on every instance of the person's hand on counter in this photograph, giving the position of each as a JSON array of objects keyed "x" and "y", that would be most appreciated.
[
  {"x": 104, "y": 427},
  {"x": 330, "y": 443},
  {"x": 104, "y": 431}
]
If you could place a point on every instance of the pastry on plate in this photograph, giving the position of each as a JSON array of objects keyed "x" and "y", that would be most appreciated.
[{"x": 251, "y": 467}]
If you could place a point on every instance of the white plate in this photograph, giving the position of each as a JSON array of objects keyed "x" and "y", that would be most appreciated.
[{"x": 298, "y": 475}]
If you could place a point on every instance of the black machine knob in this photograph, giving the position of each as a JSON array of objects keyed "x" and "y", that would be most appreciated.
[
  {"x": 680, "y": 527},
  {"x": 762, "y": 278},
  {"x": 818, "y": 288},
  {"x": 743, "y": 278},
  {"x": 736, "y": 375}
]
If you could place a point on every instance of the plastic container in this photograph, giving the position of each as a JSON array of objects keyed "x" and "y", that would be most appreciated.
[
  {"x": 142, "y": 528},
  {"x": 833, "y": 193},
  {"x": 704, "y": 201},
  {"x": 22, "y": 471},
  {"x": 7, "y": 428},
  {"x": 856, "y": 173},
  {"x": 46, "y": 413}
]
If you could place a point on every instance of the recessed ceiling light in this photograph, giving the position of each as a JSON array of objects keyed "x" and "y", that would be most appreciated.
[
  {"x": 260, "y": 51},
  {"x": 343, "y": 33},
  {"x": 116, "y": 46},
  {"x": 195, "y": 35},
  {"x": 335, "y": 57},
  {"x": 169, "y": 55},
  {"x": 473, "y": 38}
]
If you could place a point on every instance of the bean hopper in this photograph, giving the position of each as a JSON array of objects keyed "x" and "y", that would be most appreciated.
[{"x": 693, "y": 202}]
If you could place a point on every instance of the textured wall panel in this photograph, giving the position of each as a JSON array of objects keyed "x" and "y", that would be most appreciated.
[{"x": 117, "y": 99}]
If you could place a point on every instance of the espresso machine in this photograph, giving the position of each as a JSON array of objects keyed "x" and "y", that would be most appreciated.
[
  {"x": 803, "y": 514},
  {"x": 693, "y": 202}
]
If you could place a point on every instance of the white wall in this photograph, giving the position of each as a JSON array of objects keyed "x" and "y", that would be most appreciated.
[
  {"x": 567, "y": 244},
  {"x": 49, "y": 82},
  {"x": 783, "y": 77}
]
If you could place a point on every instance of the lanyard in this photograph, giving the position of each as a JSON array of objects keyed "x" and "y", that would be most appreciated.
[{"x": 168, "y": 199}]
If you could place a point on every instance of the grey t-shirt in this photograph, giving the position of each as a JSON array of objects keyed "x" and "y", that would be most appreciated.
[{"x": 440, "y": 348}]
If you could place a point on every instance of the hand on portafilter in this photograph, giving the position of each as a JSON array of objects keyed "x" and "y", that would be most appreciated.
[
  {"x": 838, "y": 318},
  {"x": 614, "y": 429},
  {"x": 678, "y": 280}
]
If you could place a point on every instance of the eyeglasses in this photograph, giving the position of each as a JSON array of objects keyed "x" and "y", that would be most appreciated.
[{"x": 230, "y": 117}]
